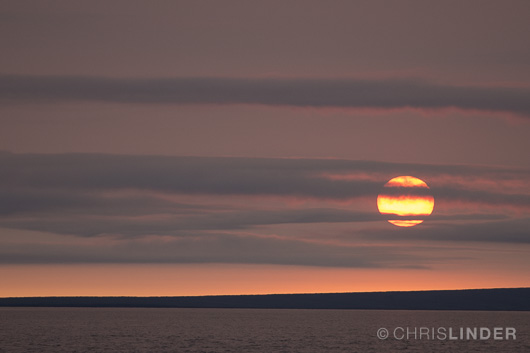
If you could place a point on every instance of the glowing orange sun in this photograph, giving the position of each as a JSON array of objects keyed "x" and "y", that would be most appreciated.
[{"x": 405, "y": 196}]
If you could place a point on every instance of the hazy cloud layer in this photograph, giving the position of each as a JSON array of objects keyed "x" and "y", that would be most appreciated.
[
  {"x": 185, "y": 224},
  {"x": 213, "y": 248},
  {"x": 278, "y": 78},
  {"x": 383, "y": 94},
  {"x": 237, "y": 176},
  {"x": 503, "y": 231},
  {"x": 181, "y": 209}
]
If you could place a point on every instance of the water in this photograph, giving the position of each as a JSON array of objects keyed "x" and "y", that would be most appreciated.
[{"x": 247, "y": 330}]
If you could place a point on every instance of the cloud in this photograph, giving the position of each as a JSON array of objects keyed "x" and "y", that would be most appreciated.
[
  {"x": 382, "y": 94},
  {"x": 65, "y": 202},
  {"x": 211, "y": 248},
  {"x": 126, "y": 208},
  {"x": 87, "y": 223},
  {"x": 64, "y": 174},
  {"x": 180, "y": 224},
  {"x": 500, "y": 231}
]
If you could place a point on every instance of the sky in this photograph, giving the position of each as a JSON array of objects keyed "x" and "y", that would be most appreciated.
[{"x": 239, "y": 147}]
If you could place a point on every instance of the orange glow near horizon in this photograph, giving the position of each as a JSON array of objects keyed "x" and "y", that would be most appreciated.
[
  {"x": 405, "y": 205},
  {"x": 226, "y": 279}
]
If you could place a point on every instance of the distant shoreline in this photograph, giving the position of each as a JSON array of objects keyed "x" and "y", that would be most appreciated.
[{"x": 498, "y": 299}]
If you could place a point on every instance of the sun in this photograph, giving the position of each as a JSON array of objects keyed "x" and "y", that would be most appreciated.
[{"x": 405, "y": 196}]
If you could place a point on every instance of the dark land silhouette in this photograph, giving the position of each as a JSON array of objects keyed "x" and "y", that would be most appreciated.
[{"x": 505, "y": 299}]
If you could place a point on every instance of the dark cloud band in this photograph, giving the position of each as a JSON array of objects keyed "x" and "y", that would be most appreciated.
[
  {"x": 123, "y": 208},
  {"x": 83, "y": 173},
  {"x": 383, "y": 94}
]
